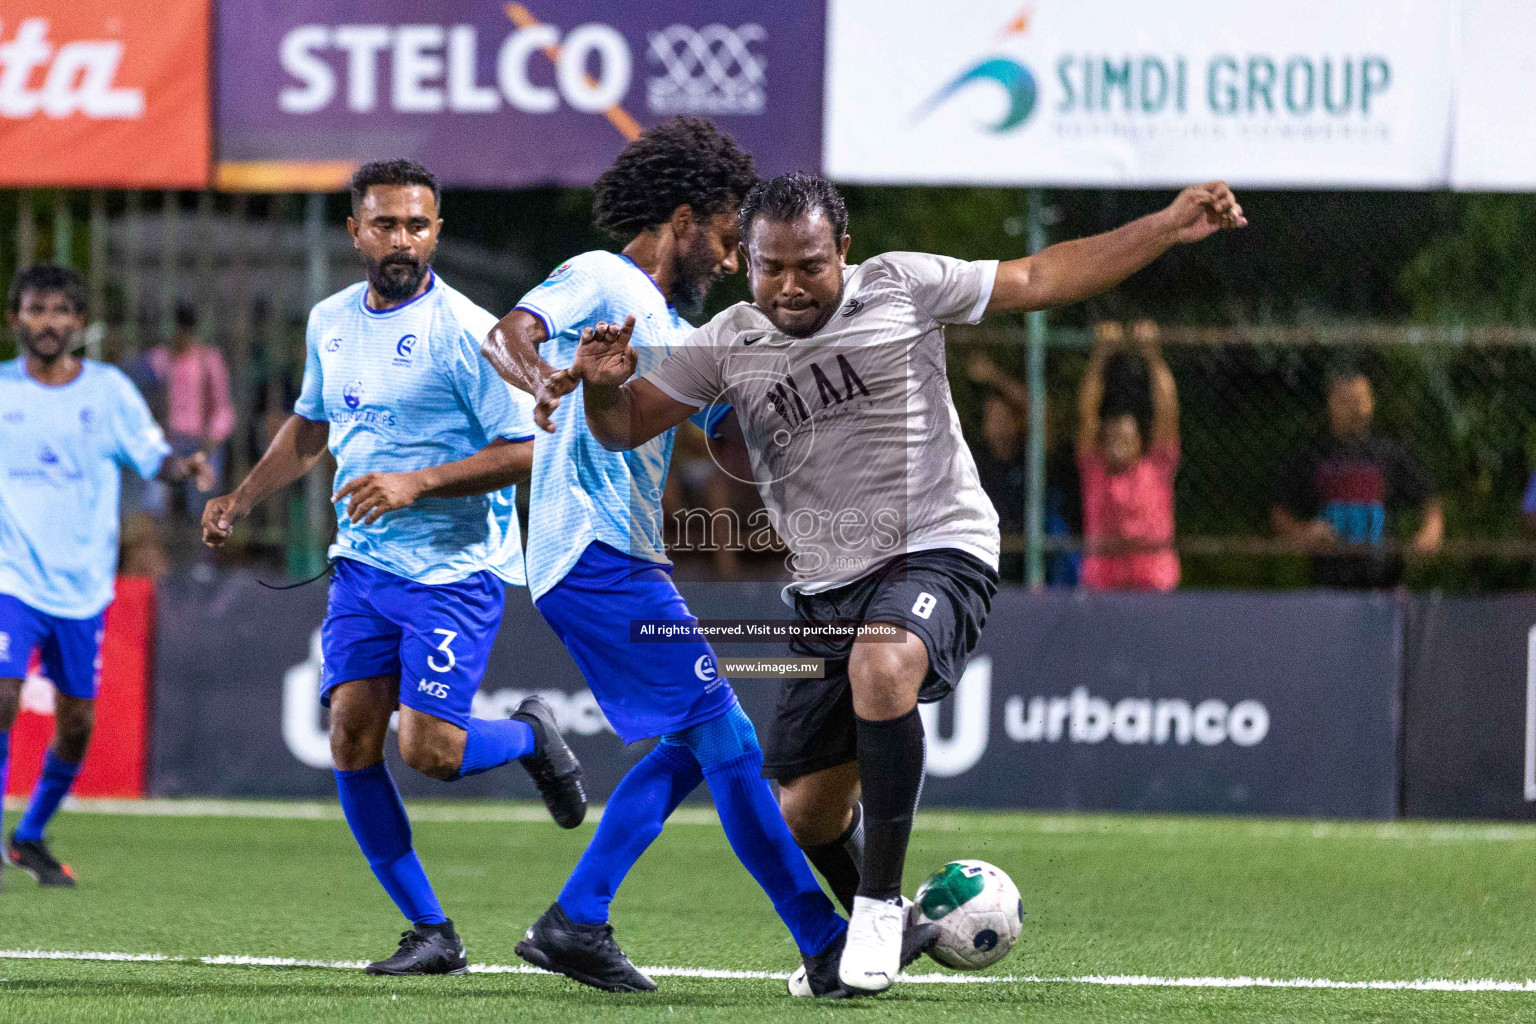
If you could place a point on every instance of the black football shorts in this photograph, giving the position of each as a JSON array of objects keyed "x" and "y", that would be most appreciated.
[{"x": 942, "y": 596}]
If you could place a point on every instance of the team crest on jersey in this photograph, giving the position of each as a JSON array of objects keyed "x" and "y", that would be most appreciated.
[
  {"x": 852, "y": 307},
  {"x": 403, "y": 349},
  {"x": 334, "y": 345},
  {"x": 352, "y": 394},
  {"x": 560, "y": 271}
]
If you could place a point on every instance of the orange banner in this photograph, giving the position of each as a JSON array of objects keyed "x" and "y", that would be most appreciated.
[{"x": 106, "y": 93}]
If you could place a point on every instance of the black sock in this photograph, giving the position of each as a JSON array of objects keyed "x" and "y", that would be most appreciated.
[
  {"x": 839, "y": 860},
  {"x": 891, "y": 763}
]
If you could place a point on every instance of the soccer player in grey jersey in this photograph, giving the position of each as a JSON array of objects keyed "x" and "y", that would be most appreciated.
[{"x": 837, "y": 376}]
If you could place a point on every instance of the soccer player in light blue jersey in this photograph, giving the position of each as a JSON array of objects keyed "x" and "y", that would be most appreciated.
[
  {"x": 68, "y": 427},
  {"x": 428, "y": 442},
  {"x": 596, "y": 560}
]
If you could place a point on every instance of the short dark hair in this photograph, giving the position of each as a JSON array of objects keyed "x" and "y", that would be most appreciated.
[
  {"x": 47, "y": 277},
  {"x": 186, "y": 315},
  {"x": 685, "y": 160},
  {"x": 392, "y": 172},
  {"x": 1343, "y": 375},
  {"x": 792, "y": 196}
]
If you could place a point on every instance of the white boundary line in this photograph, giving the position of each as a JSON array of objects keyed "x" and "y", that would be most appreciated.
[
  {"x": 1110, "y": 980},
  {"x": 1027, "y": 822}
]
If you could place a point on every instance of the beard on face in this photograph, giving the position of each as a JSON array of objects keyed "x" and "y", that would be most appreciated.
[
  {"x": 397, "y": 276},
  {"x": 694, "y": 272},
  {"x": 46, "y": 344}
]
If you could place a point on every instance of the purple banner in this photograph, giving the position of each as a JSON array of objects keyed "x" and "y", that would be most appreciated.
[{"x": 495, "y": 95}]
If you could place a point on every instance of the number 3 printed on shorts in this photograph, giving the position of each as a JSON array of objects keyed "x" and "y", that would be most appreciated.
[
  {"x": 923, "y": 606},
  {"x": 448, "y": 636}
]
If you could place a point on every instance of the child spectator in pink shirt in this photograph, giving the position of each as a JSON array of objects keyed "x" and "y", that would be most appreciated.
[{"x": 1127, "y": 483}]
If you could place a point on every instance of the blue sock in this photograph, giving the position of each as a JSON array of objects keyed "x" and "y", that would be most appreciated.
[
  {"x": 732, "y": 761},
  {"x": 491, "y": 743},
  {"x": 58, "y": 775},
  {"x": 639, "y": 806},
  {"x": 377, "y": 818},
  {"x": 755, "y": 827},
  {"x": 5, "y": 772}
]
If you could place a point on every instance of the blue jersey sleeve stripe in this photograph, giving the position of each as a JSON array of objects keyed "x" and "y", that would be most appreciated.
[
  {"x": 549, "y": 325},
  {"x": 516, "y": 437}
]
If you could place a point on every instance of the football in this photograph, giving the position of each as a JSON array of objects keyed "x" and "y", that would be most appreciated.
[{"x": 978, "y": 911}]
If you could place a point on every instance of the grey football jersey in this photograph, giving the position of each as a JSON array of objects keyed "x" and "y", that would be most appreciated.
[{"x": 855, "y": 444}]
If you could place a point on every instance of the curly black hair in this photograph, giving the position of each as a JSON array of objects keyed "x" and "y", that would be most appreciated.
[
  {"x": 790, "y": 197},
  {"x": 46, "y": 277},
  {"x": 684, "y": 160},
  {"x": 392, "y": 172}
]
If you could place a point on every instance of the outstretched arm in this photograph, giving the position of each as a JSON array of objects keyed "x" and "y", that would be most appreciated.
[
  {"x": 1165, "y": 391},
  {"x": 499, "y": 464},
  {"x": 1090, "y": 395},
  {"x": 291, "y": 454},
  {"x": 1073, "y": 271},
  {"x": 621, "y": 413}
]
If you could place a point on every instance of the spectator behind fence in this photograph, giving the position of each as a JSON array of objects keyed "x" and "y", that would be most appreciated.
[
  {"x": 191, "y": 382},
  {"x": 1002, "y": 462},
  {"x": 1127, "y": 480},
  {"x": 1345, "y": 487}
]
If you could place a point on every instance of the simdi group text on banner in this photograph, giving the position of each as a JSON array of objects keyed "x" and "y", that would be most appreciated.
[
  {"x": 104, "y": 93},
  {"x": 496, "y": 95},
  {"x": 1111, "y": 92}
]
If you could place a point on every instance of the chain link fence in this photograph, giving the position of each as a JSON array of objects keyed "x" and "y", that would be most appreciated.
[{"x": 1461, "y": 401}]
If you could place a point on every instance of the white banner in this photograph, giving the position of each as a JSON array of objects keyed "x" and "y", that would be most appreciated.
[
  {"x": 1495, "y": 148},
  {"x": 1121, "y": 92}
]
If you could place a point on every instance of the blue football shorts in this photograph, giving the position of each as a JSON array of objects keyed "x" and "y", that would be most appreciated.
[
  {"x": 644, "y": 689},
  {"x": 70, "y": 648},
  {"x": 437, "y": 639}
]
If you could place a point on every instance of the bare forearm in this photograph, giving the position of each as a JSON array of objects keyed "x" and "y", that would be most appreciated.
[
  {"x": 610, "y": 415},
  {"x": 496, "y": 466},
  {"x": 1165, "y": 400},
  {"x": 512, "y": 349},
  {"x": 292, "y": 453},
  {"x": 1072, "y": 271}
]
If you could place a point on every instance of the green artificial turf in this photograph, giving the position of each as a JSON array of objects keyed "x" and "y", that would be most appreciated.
[{"x": 1104, "y": 895}]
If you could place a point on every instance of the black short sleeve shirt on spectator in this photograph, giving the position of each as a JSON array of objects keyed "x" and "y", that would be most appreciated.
[{"x": 1355, "y": 486}]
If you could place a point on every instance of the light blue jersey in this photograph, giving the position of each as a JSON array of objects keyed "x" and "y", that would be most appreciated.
[
  {"x": 406, "y": 389},
  {"x": 62, "y": 450},
  {"x": 581, "y": 492}
]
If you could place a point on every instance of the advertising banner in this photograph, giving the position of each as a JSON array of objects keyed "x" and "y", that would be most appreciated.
[
  {"x": 1189, "y": 703},
  {"x": 104, "y": 94},
  {"x": 1117, "y": 93},
  {"x": 494, "y": 95},
  {"x": 1469, "y": 708},
  {"x": 1495, "y": 146},
  {"x": 116, "y": 761},
  {"x": 1261, "y": 704}
]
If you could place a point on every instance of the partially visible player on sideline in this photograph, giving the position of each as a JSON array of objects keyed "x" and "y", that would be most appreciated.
[
  {"x": 837, "y": 376},
  {"x": 596, "y": 561},
  {"x": 427, "y": 442},
  {"x": 68, "y": 427}
]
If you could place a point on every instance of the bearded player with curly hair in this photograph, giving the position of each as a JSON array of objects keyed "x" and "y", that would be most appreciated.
[{"x": 596, "y": 561}]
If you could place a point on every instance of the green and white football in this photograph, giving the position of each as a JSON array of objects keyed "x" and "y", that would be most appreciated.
[{"x": 978, "y": 911}]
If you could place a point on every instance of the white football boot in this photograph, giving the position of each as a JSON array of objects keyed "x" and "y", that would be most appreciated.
[
  {"x": 916, "y": 939},
  {"x": 872, "y": 954}
]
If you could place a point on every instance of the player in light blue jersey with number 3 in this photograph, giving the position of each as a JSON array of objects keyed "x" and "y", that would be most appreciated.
[
  {"x": 68, "y": 427},
  {"x": 596, "y": 560},
  {"x": 428, "y": 442}
]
